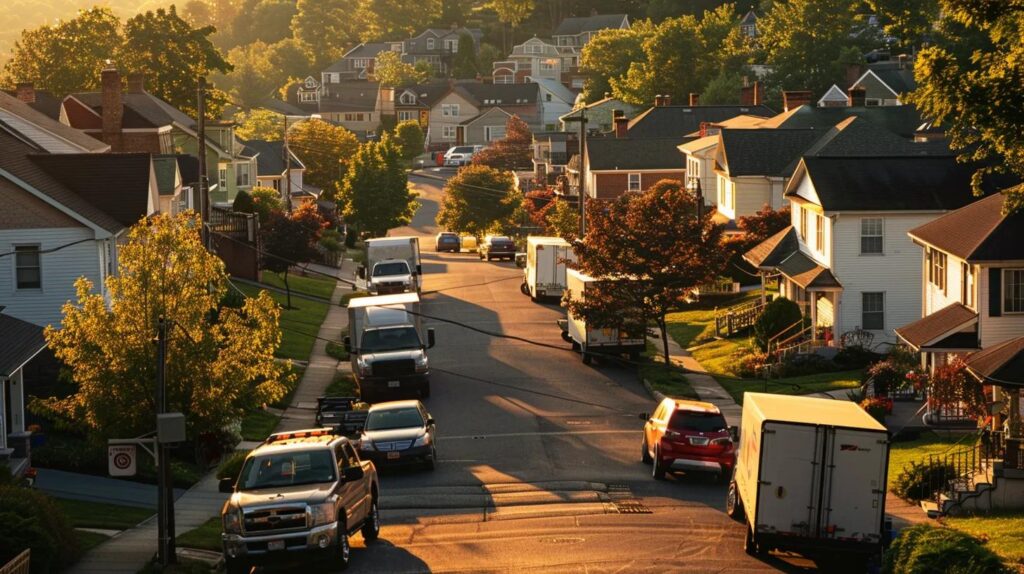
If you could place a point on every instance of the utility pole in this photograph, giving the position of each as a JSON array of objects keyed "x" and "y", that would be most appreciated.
[
  {"x": 204, "y": 196},
  {"x": 581, "y": 189},
  {"x": 287, "y": 167},
  {"x": 165, "y": 503}
]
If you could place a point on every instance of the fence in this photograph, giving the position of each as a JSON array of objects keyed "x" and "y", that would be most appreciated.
[
  {"x": 734, "y": 319},
  {"x": 18, "y": 565}
]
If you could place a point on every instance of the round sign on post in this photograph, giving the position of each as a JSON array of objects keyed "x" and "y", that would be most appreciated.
[{"x": 121, "y": 460}]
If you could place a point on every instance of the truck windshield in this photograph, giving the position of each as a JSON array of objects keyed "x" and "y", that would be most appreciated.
[
  {"x": 390, "y": 339},
  {"x": 287, "y": 469},
  {"x": 395, "y": 268},
  {"x": 695, "y": 421},
  {"x": 394, "y": 419}
]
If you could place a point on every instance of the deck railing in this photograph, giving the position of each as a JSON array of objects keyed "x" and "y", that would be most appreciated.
[
  {"x": 19, "y": 564},
  {"x": 734, "y": 319}
]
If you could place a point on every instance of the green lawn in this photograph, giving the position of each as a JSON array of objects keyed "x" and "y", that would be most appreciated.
[
  {"x": 313, "y": 284},
  {"x": 205, "y": 537},
  {"x": 257, "y": 425},
  {"x": 89, "y": 540},
  {"x": 1003, "y": 531},
  {"x": 902, "y": 453},
  {"x": 343, "y": 385},
  {"x": 287, "y": 398},
  {"x": 697, "y": 323},
  {"x": 299, "y": 325},
  {"x": 356, "y": 254},
  {"x": 101, "y": 515},
  {"x": 721, "y": 357},
  {"x": 802, "y": 385},
  {"x": 671, "y": 383}
]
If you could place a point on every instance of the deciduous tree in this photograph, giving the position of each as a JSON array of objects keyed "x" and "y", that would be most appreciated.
[
  {"x": 325, "y": 149},
  {"x": 608, "y": 55},
  {"x": 390, "y": 70},
  {"x": 564, "y": 220},
  {"x": 478, "y": 199},
  {"x": 389, "y": 19},
  {"x": 326, "y": 28},
  {"x": 220, "y": 362},
  {"x": 465, "y": 65},
  {"x": 259, "y": 124},
  {"x": 291, "y": 239},
  {"x": 510, "y": 152},
  {"x": 253, "y": 78},
  {"x": 375, "y": 194},
  {"x": 409, "y": 138}
]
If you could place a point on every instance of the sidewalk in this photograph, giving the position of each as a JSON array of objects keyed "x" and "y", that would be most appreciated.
[{"x": 91, "y": 488}]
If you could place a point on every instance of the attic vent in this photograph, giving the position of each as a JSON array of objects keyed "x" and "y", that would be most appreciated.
[{"x": 744, "y": 110}]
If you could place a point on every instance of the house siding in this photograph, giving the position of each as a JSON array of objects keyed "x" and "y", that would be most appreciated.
[
  {"x": 437, "y": 121},
  {"x": 41, "y": 137},
  {"x": 936, "y": 299},
  {"x": 995, "y": 330},
  {"x": 612, "y": 185},
  {"x": 751, "y": 195}
]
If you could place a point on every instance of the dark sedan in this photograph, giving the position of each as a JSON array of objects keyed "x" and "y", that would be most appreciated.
[
  {"x": 447, "y": 241},
  {"x": 399, "y": 432},
  {"x": 497, "y": 247}
]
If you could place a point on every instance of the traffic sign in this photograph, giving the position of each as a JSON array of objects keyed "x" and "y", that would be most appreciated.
[{"x": 121, "y": 460}]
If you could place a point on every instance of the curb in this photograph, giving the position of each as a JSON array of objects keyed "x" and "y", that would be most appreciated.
[{"x": 658, "y": 396}]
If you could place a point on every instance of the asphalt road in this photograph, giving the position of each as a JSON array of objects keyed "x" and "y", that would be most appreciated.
[{"x": 539, "y": 455}]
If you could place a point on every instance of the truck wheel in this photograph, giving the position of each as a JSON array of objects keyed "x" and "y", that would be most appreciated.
[
  {"x": 342, "y": 549},
  {"x": 657, "y": 469},
  {"x": 525, "y": 289},
  {"x": 236, "y": 567},
  {"x": 586, "y": 356},
  {"x": 371, "y": 526},
  {"x": 645, "y": 453},
  {"x": 733, "y": 503}
]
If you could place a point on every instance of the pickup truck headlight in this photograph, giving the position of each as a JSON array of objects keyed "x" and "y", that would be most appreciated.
[
  {"x": 365, "y": 443},
  {"x": 423, "y": 440},
  {"x": 422, "y": 364},
  {"x": 365, "y": 369},
  {"x": 324, "y": 513},
  {"x": 232, "y": 521}
]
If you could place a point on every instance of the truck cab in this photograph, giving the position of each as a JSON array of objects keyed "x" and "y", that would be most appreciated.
[
  {"x": 298, "y": 497},
  {"x": 391, "y": 276}
]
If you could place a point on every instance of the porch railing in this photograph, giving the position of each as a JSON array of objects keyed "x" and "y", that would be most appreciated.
[
  {"x": 962, "y": 469},
  {"x": 734, "y": 319}
]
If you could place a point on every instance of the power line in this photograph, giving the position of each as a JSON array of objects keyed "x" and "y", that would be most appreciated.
[{"x": 52, "y": 249}]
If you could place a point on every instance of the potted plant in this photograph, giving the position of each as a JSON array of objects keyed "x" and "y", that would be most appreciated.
[{"x": 877, "y": 407}]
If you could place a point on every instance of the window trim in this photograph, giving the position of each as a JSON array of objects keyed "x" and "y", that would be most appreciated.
[
  {"x": 444, "y": 132},
  {"x": 968, "y": 282},
  {"x": 1005, "y": 294},
  {"x": 881, "y": 235},
  {"x": 430, "y": 43},
  {"x": 819, "y": 233},
  {"x": 803, "y": 222},
  {"x": 629, "y": 181},
  {"x": 23, "y": 248},
  {"x": 222, "y": 177},
  {"x": 863, "y": 310},
  {"x": 307, "y": 97},
  {"x": 938, "y": 270}
]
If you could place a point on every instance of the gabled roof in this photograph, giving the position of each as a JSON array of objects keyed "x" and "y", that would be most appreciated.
[
  {"x": 605, "y": 103},
  {"x": 556, "y": 88},
  {"x": 977, "y": 232},
  {"x": 770, "y": 153},
  {"x": 834, "y": 94},
  {"x": 19, "y": 342},
  {"x": 807, "y": 273},
  {"x": 498, "y": 94},
  {"x": 165, "y": 167},
  {"x": 856, "y": 136},
  {"x": 933, "y": 329},
  {"x": 912, "y": 183},
  {"x": 141, "y": 110},
  {"x": 621, "y": 154},
  {"x": 774, "y": 250},
  {"x": 426, "y": 94},
  {"x": 367, "y": 50},
  {"x": 351, "y": 96},
  {"x": 282, "y": 107},
  {"x": 117, "y": 183},
  {"x": 676, "y": 121},
  {"x": 898, "y": 76},
  {"x": 270, "y": 157},
  {"x": 489, "y": 113},
  {"x": 45, "y": 103},
  {"x": 900, "y": 120},
  {"x": 26, "y": 113},
  {"x": 574, "y": 26},
  {"x": 1001, "y": 364},
  {"x": 749, "y": 18},
  {"x": 188, "y": 167}
]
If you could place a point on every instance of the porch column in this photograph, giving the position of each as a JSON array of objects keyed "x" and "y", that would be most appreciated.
[
  {"x": 17, "y": 384},
  {"x": 764, "y": 286},
  {"x": 812, "y": 298},
  {"x": 3, "y": 413}
]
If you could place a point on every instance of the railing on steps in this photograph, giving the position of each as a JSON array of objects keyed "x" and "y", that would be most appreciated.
[
  {"x": 794, "y": 339},
  {"x": 734, "y": 319},
  {"x": 958, "y": 471}
]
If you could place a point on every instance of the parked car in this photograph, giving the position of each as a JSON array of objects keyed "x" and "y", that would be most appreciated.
[
  {"x": 447, "y": 241},
  {"x": 399, "y": 432},
  {"x": 497, "y": 247},
  {"x": 690, "y": 436},
  {"x": 460, "y": 155}
]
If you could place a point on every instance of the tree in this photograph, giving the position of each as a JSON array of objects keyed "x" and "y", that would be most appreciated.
[
  {"x": 510, "y": 152},
  {"x": 65, "y": 57},
  {"x": 778, "y": 315},
  {"x": 908, "y": 20},
  {"x": 390, "y": 70},
  {"x": 970, "y": 83},
  {"x": 564, "y": 220},
  {"x": 656, "y": 240},
  {"x": 764, "y": 223},
  {"x": 265, "y": 202},
  {"x": 290, "y": 58},
  {"x": 409, "y": 138},
  {"x": 389, "y": 19},
  {"x": 375, "y": 194},
  {"x": 253, "y": 79},
  {"x": 291, "y": 239},
  {"x": 325, "y": 149},
  {"x": 511, "y": 13},
  {"x": 267, "y": 21},
  {"x": 538, "y": 204},
  {"x": 723, "y": 89},
  {"x": 259, "y": 124},
  {"x": 219, "y": 361},
  {"x": 486, "y": 57},
  {"x": 478, "y": 199},
  {"x": 172, "y": 54},
  {"x": 608, "y": 55},
  {"x": 326, "y": 28},
  {"x": 199, "y": 13},
  {"x": 465, "y": 66}
]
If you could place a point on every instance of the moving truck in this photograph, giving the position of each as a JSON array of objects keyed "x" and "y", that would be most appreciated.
[
  {"x": 811, "y": 478},
  {"x": 544, "y": 275},
  {"x": 392, "y": 265},
  {"x": 592, "y": 340},
  {"x": 387, "y": 346}
]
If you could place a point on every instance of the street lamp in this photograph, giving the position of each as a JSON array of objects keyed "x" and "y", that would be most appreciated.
[{"x": 288, "y": 155}]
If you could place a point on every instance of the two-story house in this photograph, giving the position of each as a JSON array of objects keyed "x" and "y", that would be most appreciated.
[
  {"x": 356, "y": 105},
  {"x": 474, "y": 113},
  {"x": 535, "y": 58},
  {"x": 846, "y": 259},
  {"x": 356, "y": 64},
  {"x": 554, "y": 100},
  {"x": 971, "y": 285},
  {"x": 272, "y": 173},
  {"x": 21, "y": 342},
  {"x": 574, "y": 32},
  {"x": 439, "y": 46}
]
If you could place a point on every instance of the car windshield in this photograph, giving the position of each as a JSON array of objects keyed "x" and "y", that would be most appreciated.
[
  {"x": 463, "y": 150},
  {"x": 390, "y": 339},
  {"x": 695, "y": 421},
  {"x": 395, "y": 268},
  {"x": 287, "y": 469},
  {"x": 397, "y": 418}
]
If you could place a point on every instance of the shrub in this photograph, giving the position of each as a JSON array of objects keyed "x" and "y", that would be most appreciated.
[
  {"x": 751, "y": 364},
  {"x": 243, "y": 202},
  {"x": 887, "y": 376},
  {"x": 877, "y": 407},
  {"x": 924, "y": 549},
  {"x": 854, "y": 357},
  {"x": 922, "y": 480},
  {"x": 807, "y": 364},
  {"x": 409, "y": 135},
  {"x": 778, "y": 315},
  {"x": 232, "y": 465},
  {"x": 31, "y": 519}
]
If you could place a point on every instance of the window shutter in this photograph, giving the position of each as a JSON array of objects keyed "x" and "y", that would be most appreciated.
[{"x": 995, "y": 292}]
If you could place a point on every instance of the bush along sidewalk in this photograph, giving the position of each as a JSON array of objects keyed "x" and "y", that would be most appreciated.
[{"x": 925, "y": 549}]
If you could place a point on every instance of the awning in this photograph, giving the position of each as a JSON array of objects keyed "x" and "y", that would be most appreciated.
[
  {"x": 943, "y": 330},
  {"x": 19, "y": 342},
  {"x": 807, "y": 273},
  {"x": 774, "y": 250},
  {"x": 1001, "y": 364}
]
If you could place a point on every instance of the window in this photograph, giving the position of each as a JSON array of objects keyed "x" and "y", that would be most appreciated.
[
  {"x": 967, "y": 284},
  {"x": 222, "y": 177},
  {"x": 405, "y": 115},
  {"x": 307, "y": 96},
  {"x": 871, "y": 238},
  {"x": 353, "y": 117},
  {"x": 407, "y": 98},
  {"x": 430, "y": 43},
  {"x": 242, "y": 174},
  {"x": 360, "y": 63},
  {"x": 534, "y": 49},
  {"x": 27, "y": 267},
  {"x": 494, "y": 133},
  {"x": 937, "y": 269},
  {"x": 1013, "y": 290},
  {"x": 634, "y": 182},
  {"x": 450, "y": 110},
  {"x": 546, "y": 66},
  {"x": 803, "y": 222},
  {"x": 873, "y": 311},
  {"x": 577, "y": 83},
  {"x": 547, "y": 97},
  {"x": 819, "y": 233},
  {"x": 448, "y": 132},
  {"x": 451, "y": 45}
]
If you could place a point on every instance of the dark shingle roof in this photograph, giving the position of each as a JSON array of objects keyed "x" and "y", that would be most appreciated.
[
  {"x": 499, "y": 94},
  {"x": 887, "y": 183},
  {"x": 369, "y": 50},
  {"x": 269, "y": 156},
  {"x": 578, "y": 25},
  {"x": 856, "y": 136},
  {"x": 19, "y": 342},
  {"x": 1001, "y": 364},
  {"x": 900, "y": 120},
  {"x": 763, "y": 152},
  {"x": 930, "y": 328},
  {"x": 351, "y": 96},
  {"x": 141, "y": 110},
  {"x": 30, "y": 114},
  {"x": 675, "y": 121},
  {"x": 806, "y": 272},
  {"x": 898, "y": 77},
  {"x": 773, "y": 250},
  {"x": 117, "y": 183},
  {"x": 46, "y": 103},
  {"x": 634, "y": 154},
  {"x": 188, "y": 167},
  {"x": 977, "y": 232}
]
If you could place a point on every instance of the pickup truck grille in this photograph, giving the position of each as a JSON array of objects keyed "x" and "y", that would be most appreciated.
[
  {"x": 393, "y": 445},
  {"x": 273, "y": 519},
  {"x": 397, "y": 368}
]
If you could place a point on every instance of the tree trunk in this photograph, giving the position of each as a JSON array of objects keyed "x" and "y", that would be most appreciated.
[
  {"x": 664, "y": 341},
  {"x": 287, "y": 290}
]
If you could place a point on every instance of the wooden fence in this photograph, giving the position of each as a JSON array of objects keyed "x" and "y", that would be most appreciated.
[{"x": 18, "y": 565}]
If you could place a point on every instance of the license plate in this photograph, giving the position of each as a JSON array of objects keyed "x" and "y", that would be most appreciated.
[
  {"x": 699, "y": 440},
  {"x": 393, "y": 384},
  {"x": 393, "y": 455},
  {"x": 275, "y": 545}
]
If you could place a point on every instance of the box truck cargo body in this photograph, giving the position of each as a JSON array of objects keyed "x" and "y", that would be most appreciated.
[
  {"x": 392, "y": 265},
  {"x": 544, "y": 275},
  {"x": 810, "y": 477},
  {"x": 591, "y": 340}
]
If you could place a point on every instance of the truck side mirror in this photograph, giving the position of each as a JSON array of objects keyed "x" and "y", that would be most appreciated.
[
  {"x": 353, "y": 473},
  {"x": 734, "y": 433},
  {"x": 226, "y": 485},
  {"x": 348, "y": 343},
  {"x": 419, "y": 269},
  {"x": 361, "y": 271},
  {"x": 431, "y": 340}
]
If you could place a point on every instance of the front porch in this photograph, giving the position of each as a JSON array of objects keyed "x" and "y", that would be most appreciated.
[{"x": 20, "y": 342}]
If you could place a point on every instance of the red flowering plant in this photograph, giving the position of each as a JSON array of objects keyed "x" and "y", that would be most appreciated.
[
  {"x": 952, "y": 385},
  {"x": 877, "y": 407}
]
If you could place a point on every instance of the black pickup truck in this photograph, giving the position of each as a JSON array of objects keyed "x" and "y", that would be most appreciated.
[{"x": 341, "y": 415}]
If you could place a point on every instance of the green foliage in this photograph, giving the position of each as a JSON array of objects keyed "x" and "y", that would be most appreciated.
[
  {"x": 31, "y": 519},
  {"x": 922, "y": 480},
  {"x": 291, "y": 239},
  {"x": 924, "y": 549},
  {"x": 409, "y": 138},
  {"x": 389, "y": 19},
  {"x": 564, "y": 220},
  {"x": 326, "y": 28},
  {"x": 259, "y": 124},
  {"x": 908, "y": 20},
  {"x": 465, "y": 65},
  {"x": 477, "y": 199},
  {"x": 723, "y": 89},
  {"x": 231, "y": 466},
  {"x": 608, "y": 55},
  {"x": 253, "y": 78},
  {"x": 265, "y": 201},
  {"x": 375, "y": 194},
  {"x": 243, "y": 202},
  {"x": 290, "y": 58},
  {"x": 325, "y": 149},
  {"x": 778, "y": 315},
  {"x": 390, "y": 70},
  {"x": 264, "y": 21}
]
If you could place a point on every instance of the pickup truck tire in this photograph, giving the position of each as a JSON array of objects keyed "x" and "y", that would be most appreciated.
[
  {"x": 235, "y": 566},
  {"x": 342, "y": 550},
  {"x": 645, "y": 453},
  {"x": 371, "y": 526},
  {"x": 733, "y": 502},
  {"x": 657, "y": 468},
  {"x": 524, "y": 288}
]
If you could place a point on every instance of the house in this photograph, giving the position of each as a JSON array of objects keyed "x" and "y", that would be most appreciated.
[
  {"x": 555, "y": 101},
  {"x": 356, "y": 64},
  {"x": 748, "y": 25},
  {"x": 972, "y": 283},
  {"x": 465, "y": 108},
  {"x": 575, "y": 32},
  {"x": 535, "y": 58},
  {"x": 665, "y": 120},
  {"x": 846, "y": 259},
  {"x": 20, "y": 342},
  {"x": 51, "y": 135},
  {"x": 551, "y": 153},
  {"x": 271, "y": 171},
  {"x": 356, "y": 105},
  {"x": 41, "y": 101},
  {"x": 886, "y": 82},
  {"x": 600, "y": 115},
  {"x": 416, "y": 102},
  {"x": 903, "y": 121},
  {"x": 439, "y": 46}
]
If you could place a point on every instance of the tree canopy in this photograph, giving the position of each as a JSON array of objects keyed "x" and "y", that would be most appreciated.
[
  {"x": 510, "y": 152},
  {"x": 375, "y": 194},
  {"x": 290, "y": 239},
  {"x": 390, "y": 70},
  {"x": 325, "y": 149},
  {"x": 409, "y": 138},
  {"x": 478, "y": 199}
]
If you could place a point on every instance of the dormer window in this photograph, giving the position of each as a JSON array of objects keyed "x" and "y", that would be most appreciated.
[
  {"x": 407, "y": 99},
  {"x": 430, "y": 43}
]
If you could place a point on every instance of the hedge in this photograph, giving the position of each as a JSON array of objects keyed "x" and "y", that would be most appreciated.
[
  {"x": 31, "y": 519},
  {"x": 924, "y": 549}
]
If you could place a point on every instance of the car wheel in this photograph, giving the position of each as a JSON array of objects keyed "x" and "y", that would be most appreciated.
[
  {"x": 371, "y": 526},
  {"x": 342, "y": 550},
  {"x": 733, "y": 503},
  {"x": 525, "y": 289},
  {"x": 645, "y": 453},
  {"x": 657, "y": 468},
  {"x": 235, "y": 566},
  {"x": 432, "y": 462}
]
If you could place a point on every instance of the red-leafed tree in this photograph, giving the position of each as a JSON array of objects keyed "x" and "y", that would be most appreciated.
[
  {"x": 291, "y": 239},
  {"x": 537, "y": 204},
  {"x": 510, "y": 152},
  {"x": 658, "y": 245},
  {"x": 756, "y": 228}
]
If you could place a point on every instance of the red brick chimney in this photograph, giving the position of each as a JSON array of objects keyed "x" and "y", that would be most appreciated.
[
  {"x": 659, "y": 100},
  {"x": 795, "y": 98},
  {"x": 857, "y": 97},
  {"x": 853, "y": 73},
  {"x": 694, "y": 99},
  {"x": 25, "y": 92},
  {"x": 136, "y": 83},
  {"x": 621, "y": 123},
  {"x": 113, "y": 104},
  {"x": 752, "y": 95}
]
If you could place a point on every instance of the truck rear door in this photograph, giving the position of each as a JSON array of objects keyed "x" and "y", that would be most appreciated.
[
  {"x": 787, "y": 493},
  {"x": 854, "y": 485}
]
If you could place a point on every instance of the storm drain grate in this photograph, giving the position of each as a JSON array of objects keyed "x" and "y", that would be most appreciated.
[{"x": 631, "y": 507}]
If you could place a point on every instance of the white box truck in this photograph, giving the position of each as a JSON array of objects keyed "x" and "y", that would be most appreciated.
[
  {"x": 544, "y": 274},
  {"x": 591, "y": 340},
  {"x": 387, "y": 346},
  {"x": 810, "y": 478},
  {"x": 392, "y": 265}
]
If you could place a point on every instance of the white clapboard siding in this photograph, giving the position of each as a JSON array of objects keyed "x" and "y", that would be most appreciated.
[
  {"x": 937, "y": 299},
  {"x": 995, "y": 330}
]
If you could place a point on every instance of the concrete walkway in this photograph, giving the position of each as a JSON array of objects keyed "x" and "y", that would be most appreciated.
[{"x": 706, "y": 387}]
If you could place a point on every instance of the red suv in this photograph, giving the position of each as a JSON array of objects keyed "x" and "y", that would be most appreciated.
[{"x": 690, "y": 436}]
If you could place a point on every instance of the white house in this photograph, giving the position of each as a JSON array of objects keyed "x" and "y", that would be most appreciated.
[
  {"x": 20, "y": 342},
  {"x": 555, "y": 101}
]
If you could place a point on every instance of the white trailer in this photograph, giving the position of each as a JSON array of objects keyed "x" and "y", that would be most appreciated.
[
  {"x": 382, "y": 253},
  {"x": 591, "y": 340},
  {"x": 544, "y": 274},
  {"x": 810, "y": 477}
]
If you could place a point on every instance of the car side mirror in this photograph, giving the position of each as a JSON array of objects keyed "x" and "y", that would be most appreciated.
[
  {"x": 419, "y": 269},
  {"x": 361, "y": 271},
  {"x": 431, "y": 339},
  {"x": 645, "y": 416},
  {"x": 226, "y": 485},
  {"x": 734, "y": 433},
  {"x": 348, "y": 343},
  {"x": 354, "y": 473},
  {"x": 430, "y": 421}
]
